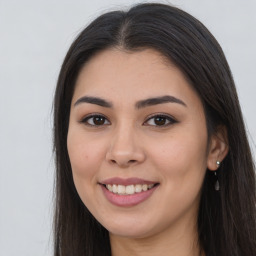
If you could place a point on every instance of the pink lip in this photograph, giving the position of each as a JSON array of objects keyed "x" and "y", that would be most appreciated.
[
  {"x": 127, "y": 200},
  {"x": 126, "y": 182}
]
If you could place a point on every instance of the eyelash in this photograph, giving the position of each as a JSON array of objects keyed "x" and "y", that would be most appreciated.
[
  {"x": 93, "y": 116},
  {"x": 167, "y": 119}
]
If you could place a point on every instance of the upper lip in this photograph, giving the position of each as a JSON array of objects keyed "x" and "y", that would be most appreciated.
[{"x": 127, "y": 181}]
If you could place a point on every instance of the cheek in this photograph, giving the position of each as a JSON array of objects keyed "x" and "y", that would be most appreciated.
[
  {"x": 182, "y": 164},
  {"x": 181, "y": 158},
  {"x": 85, "y": 155}
]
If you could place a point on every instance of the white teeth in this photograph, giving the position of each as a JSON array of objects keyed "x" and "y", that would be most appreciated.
[
  {"x": 150, "y": 186},
  {"x": 144, "y": 187},
  {"x": 128, "y": 190},
  {"x": 120, "y": 189},
  {"x": 114, "y": 188},
  {"x": 109, "y": 187},
  {"x": 138, "y": 188}
]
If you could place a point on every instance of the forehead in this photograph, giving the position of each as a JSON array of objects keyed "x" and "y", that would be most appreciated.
[{"x": 121, "y": 75}]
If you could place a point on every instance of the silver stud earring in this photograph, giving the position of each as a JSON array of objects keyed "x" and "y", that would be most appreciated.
[{"x": 217, "y": 184}]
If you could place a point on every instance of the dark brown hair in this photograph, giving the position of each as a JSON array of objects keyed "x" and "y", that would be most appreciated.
[{"x": 226, "y": 219}]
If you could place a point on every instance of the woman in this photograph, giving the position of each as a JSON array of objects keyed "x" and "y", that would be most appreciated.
[{"x": 151, "y": 151}]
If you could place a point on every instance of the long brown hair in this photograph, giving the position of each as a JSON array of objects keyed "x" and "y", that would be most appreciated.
[{"x": 226, "y": 219}]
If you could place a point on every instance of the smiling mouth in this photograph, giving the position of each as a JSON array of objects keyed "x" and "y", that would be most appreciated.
[{"x": 130, "y": 189}]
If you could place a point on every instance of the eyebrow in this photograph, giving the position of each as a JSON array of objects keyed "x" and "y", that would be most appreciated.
[
  {"x": 140, "y": 104},
  {"x": 159, "y": 100},
  {"x": 94, "y": 100}
]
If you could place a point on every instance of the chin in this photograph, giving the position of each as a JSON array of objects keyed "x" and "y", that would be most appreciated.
[
  {"x": 130, "y": 229},
  {"x": 137, "y": 233}
]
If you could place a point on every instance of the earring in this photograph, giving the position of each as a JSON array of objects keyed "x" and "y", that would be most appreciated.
[{"x": 217, "y": 184}]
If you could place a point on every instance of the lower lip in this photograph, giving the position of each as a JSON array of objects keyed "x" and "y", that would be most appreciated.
[{"x": 127, "y": 200}]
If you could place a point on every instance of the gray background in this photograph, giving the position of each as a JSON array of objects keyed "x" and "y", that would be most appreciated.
[{"x": 34, "y": 37}]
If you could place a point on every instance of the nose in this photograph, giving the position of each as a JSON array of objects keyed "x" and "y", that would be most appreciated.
[{"x": 125, "y": 148}]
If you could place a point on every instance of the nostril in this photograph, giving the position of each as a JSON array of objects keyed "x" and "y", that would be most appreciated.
[{"x": 122, "y": 162}]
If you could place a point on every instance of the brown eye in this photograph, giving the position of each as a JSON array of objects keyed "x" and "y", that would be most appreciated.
[
  {"x": 160, "y": 120},
  {"x": 98, "y": 120},
  {"x": 95, "y": 120}
]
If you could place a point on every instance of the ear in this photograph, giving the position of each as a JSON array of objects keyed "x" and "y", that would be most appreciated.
[{"x": 218, "y": 148}]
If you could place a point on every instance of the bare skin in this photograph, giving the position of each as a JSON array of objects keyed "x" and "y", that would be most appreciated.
[
  {"x": 163, "y": 243},
  {"x": 135, "y": 117}
]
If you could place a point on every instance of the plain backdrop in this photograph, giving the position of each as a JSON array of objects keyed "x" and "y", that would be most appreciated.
[{"x": 34, "y": 37}]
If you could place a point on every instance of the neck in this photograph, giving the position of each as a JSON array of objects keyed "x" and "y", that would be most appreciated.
[{"x": 178, "y": 241}]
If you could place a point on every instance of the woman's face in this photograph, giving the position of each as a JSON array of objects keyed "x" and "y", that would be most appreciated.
[{"x": 137, "y": 143}]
